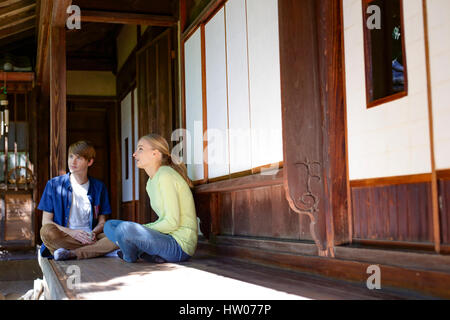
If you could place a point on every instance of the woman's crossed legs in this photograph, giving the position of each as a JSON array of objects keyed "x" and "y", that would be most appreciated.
[{"x": 134, "y": 239}]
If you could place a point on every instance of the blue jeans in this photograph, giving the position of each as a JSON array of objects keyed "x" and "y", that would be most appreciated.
[{"x": 135, "y": 239}]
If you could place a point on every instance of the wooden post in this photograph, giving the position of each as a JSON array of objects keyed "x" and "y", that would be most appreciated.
[
  {"x": 313, "y": 115},
  {"x": 434, "y": 180},
  {"x": 57, "y": 101}
]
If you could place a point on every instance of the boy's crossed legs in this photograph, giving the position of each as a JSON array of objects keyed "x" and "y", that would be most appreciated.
[{"x": 54, "y": 239}]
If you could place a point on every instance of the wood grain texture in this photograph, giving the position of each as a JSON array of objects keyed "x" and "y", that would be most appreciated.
[
  {"x": 110, "y": 279},
  {"x": 59, "y": 13},
  {"x": 155, "y": 77},
  {"x": 444, "y": 204},
  {"x": 394, "y": 213},
  {"x": 58, "y": 110},
  {"x": 128, "y": 18},
  {"x": 388, "y": 181},
  {"x": 313, "y": 120},
  {"x": 251, "y": 210},
  {"x": 434, "y": 283},
  {"x": 95, "y": 119}
]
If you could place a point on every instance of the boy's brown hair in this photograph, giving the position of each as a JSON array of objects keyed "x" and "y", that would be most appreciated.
[{"x": 83, "y": 149}]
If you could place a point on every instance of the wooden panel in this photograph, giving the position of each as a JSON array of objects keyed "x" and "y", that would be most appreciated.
[
  {"x": 285, "y": 223},
  {"x": 260, "y": 212},
  {"x": 126, "y": 76},
  {"x": 155, "y": 101},
  {"x": 226, "y": 215},
  {"x": 444, "y": 199},
  {"x": 92, "y": 126},
  {"x": 94, "y": 119},
  {"x": 127, "y": 211},
  {"x": 203, "y": 209},
  {"x": 241, "y": 207},
  {"x": 164, "y": 85},
  {"x": 253, "y": 206},
  {"x": 395, "y": 213},
  {"x": 18, "y": 224}
]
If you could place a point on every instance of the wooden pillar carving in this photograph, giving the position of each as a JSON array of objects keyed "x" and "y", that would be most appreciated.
[{"x": 313, "y": 109}]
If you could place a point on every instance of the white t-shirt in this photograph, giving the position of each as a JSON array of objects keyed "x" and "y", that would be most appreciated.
[{"x": 81, "y": 208}]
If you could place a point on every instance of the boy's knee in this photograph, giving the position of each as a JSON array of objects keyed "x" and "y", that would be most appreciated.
[{"x": 49, "y": 233}]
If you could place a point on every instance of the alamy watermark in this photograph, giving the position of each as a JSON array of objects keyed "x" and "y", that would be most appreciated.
[
  {"x": 374, "y": 21},
  {"x": 74, "y": 280},
  {"x": 227, "y": 146},
  {"x": 374, "y": 281},
  {"x": 74, "y": 19}
]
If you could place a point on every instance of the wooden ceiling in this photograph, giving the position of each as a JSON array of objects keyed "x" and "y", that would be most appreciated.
[
  {"x": 93, "y": 47},
  {"x": 17, "y": 22}
]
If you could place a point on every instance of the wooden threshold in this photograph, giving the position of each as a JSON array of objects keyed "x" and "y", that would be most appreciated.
[{"x": 427, "y": 274}]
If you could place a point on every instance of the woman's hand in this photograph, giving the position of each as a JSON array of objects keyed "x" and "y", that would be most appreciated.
[{"x": 82, "y": 236}]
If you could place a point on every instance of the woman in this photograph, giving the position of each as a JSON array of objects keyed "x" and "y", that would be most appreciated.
[{"x": 173, "y": 237}]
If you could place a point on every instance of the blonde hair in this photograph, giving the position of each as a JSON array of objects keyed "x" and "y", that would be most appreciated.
[
  {"x": 83, "y": 149},
  {"x": 160, "y": 143}
]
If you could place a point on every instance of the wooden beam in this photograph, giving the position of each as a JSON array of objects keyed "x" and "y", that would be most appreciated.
[
  {"x": 21, "y": 27},
  {"x": 45, "y": 10},
  {"x": 17, "y": 8},
  {"x": 434, "y": 182},
  {"x": 5, "y": 3},
  {"x": 17, "y": 19},
  {"x": 17, "y": 76},
  {"x": 314, "y": 148},
  {"x": 59, "y": 12},
  {"x": 127, "y": 18},
  {"x": 58, "y": 108}
]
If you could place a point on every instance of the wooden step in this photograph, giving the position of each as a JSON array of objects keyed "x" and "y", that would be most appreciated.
[{"x": 426, "y": 274}]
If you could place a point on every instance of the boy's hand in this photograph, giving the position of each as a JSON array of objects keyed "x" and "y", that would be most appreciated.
[{"x": 81, "y": 236}]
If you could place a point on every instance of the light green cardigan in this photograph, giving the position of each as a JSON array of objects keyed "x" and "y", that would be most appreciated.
[{"x": 172, "y": 200}]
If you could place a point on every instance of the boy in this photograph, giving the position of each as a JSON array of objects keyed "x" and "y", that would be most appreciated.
[{"x": 75, "y": 208}]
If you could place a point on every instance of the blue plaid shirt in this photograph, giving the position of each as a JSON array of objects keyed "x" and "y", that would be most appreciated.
[{"x": 57, "y": 199}]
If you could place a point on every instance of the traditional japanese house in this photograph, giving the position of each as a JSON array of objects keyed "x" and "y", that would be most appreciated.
[{"x": 316, "y": 131}]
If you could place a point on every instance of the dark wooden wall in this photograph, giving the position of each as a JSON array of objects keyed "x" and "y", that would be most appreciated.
[
  {"x": 444, "y": 204},
  {"x": 152, "y": 69},
  {"x": 394, "y": 213},
  {"x": 252, "y": 206},
  {"x": 95, "y": 119}
]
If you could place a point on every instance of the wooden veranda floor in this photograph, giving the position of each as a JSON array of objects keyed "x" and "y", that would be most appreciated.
[{"x": 204, "y": 277}]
